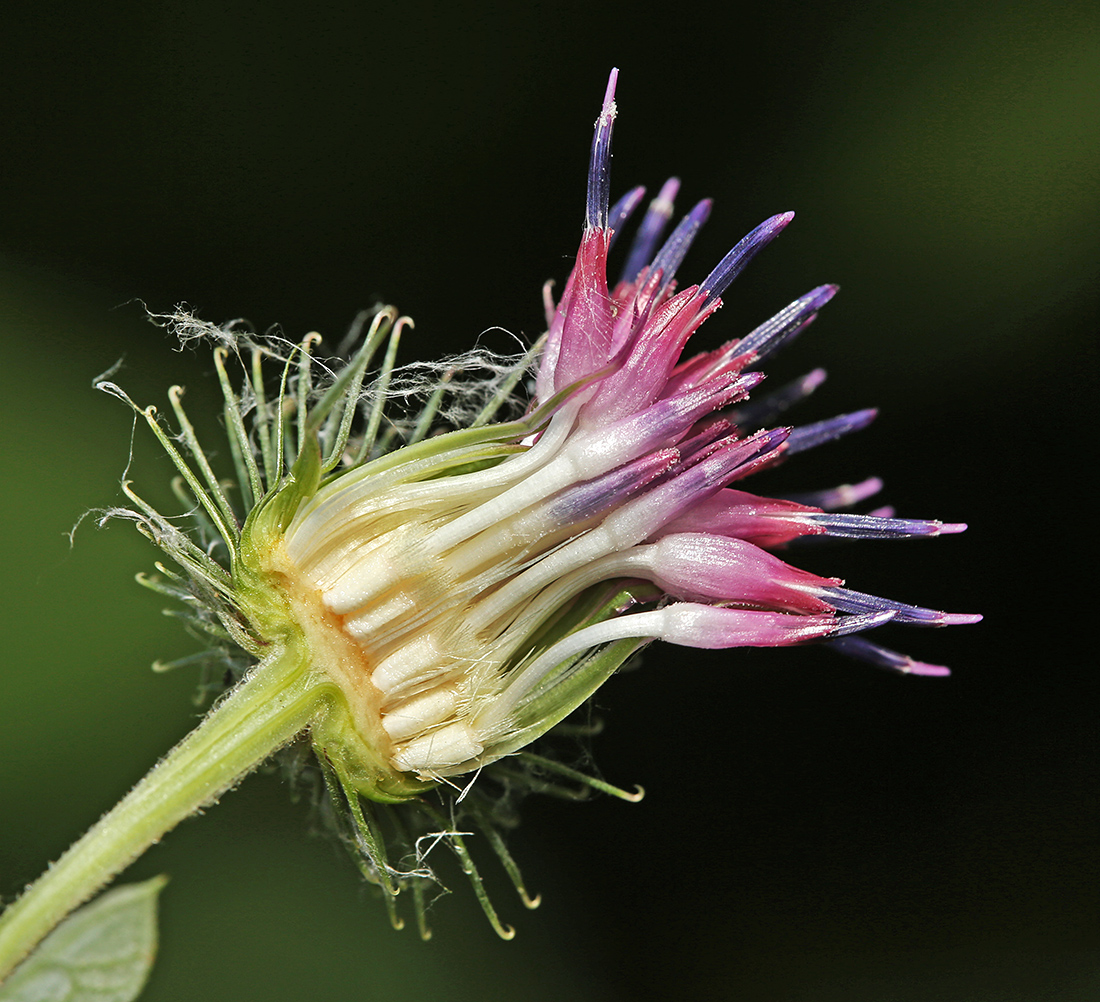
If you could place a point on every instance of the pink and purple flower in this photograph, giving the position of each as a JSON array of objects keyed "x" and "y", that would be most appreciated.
[{"x": 431, "y": 592}]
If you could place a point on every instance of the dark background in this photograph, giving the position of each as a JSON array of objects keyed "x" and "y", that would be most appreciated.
[{"x": 814, "y": 830}]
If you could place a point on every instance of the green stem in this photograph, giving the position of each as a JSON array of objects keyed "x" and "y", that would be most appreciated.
[{"x": 274, "y": 703}]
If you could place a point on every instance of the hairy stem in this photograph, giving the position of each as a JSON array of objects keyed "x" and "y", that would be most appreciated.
[{"x": 275, "y": 702}]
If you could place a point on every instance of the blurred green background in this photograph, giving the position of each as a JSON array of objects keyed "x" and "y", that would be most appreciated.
[{"x": 813, "y": 830}]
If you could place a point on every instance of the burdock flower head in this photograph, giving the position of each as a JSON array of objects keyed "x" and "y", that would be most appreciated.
[
  {"x": 456, "y": 591},
  {"x": 426, "y": 592}
]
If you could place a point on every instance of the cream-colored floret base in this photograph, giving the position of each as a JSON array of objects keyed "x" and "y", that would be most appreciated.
[{"x": 407, "y": 706}]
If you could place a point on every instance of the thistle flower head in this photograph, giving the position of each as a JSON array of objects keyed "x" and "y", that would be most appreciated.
[{"x": 456, "y": 585}]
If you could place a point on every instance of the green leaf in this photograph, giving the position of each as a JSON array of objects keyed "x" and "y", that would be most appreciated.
[{"x": 101, "y": 953}]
